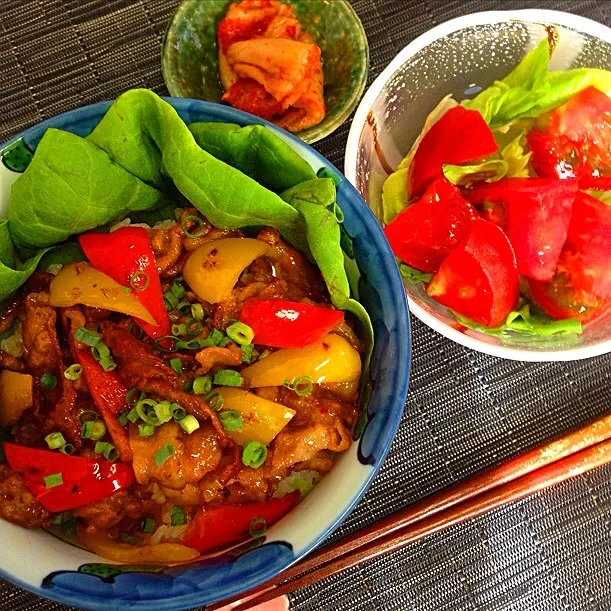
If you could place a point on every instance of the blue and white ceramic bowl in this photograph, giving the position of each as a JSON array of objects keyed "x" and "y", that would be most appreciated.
[{"x": 45, "y": 565}]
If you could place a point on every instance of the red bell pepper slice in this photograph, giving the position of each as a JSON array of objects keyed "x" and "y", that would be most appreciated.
[
  {"x": 218, "y": 527},
  {"x": 109, "y": 397},
  {"x": 288, "y": 324},
  {"x": 460, "y": 136},
  {"x": 84, "y": 480},
  {"x": 122, "y": 255},
  {"x": 574, "y": 140},
  {"x": 426, "y": 231},
  {"x": 538, "y": 213},
  {"x": 479, "y": 278}
]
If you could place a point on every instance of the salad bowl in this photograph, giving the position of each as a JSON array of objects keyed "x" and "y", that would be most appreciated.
[
  {"x": 461, "y": 58},
  {"x": 44, "y": 563}
]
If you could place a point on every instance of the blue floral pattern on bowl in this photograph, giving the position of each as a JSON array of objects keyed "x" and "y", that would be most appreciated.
[{"x": 74, "y": 576}]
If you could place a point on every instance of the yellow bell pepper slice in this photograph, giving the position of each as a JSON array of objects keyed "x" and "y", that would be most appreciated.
[
  {"x": 213, "y": 269},
  {"x": 263, "y": 419},
  {"x": 332, "y": 359},
  {"x": 15, "y": 396},
  {"x": 100, "y": 543},
  {"x": 82, "y": 283}
]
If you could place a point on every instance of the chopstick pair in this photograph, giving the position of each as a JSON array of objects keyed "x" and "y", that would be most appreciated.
[{"x": 573, "y": 454}]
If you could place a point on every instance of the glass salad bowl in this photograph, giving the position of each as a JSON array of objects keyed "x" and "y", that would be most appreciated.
[
  {"x": 461, "y": 57},
  {"x": 43, "y": 563}
]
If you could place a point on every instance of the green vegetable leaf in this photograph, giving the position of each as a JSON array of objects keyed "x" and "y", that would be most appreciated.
[
  {"x": 71, "y": 186},
  {"x": 304, "y": 481},
  {"x": 603, "y": 196},
  {"x": 530, "y": 90},
  {"x": 394, "y": 194},
  {"x": 528, "y": 320},
  {"x": 413, "y": 275},
  {"x": 256, "y": 151},
  {"x": 489, "y": 171}
]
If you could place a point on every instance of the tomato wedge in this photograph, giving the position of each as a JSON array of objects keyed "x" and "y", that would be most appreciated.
[
  {"x": 460, "y": 136},
  {"x": 574, "y": 140},
  {"x": 538, "y": 213},
  {"x": 479, "y": 278},
  {"x": 589, "y": 242},
  {"x": 563, "y": 297},
  {"x": 426, "y": 231}
]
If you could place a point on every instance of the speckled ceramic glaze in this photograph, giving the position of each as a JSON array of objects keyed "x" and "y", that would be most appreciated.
[
  {"x": 37, "y": 561},
  {"x": 461, "y": 57},
  {"x": 189, "y": 58}
]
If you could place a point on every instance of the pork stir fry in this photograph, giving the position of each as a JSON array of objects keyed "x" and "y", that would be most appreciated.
[{"x": 175, "y": 393}]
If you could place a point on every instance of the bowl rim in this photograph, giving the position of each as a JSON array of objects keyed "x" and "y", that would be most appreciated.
[
  {"x": 311, "y": 134},
  {"x": 403, "y": 333},
  {"x": 359, "y": 122}
]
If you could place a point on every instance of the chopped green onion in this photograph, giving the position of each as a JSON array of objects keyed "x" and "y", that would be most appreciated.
[
  {"x": 202, "y": 385},
  {"x": 74, "y": 372},
  {"x": 177, "y": 289},
  {"x": 69, "y": 526},
  {"x": 87, "y": 337},
  {"x": 48, "y": 381},
  {"x": 228, "y": 322},
  {"x": 93, "y": 430},
  {"x": 248, "y": 353},
  {"x": 11, "y": 330},
  {"x": 189, "y": 424},
  {"x": 122, "y": 417},
  {"x": 183, "y": 308},
  {"x": 170, "y": 300},
  {"x": 139, "y": 332},
  {"x": 301, "y": 386},
  {"x": 176, "y": 365},
  {"x": 257, "y": 527},
  {"x": 197, "y": 311},
  {"x": 193, "y": 327},
  {"x": 194, "y": 219},
  {"x": 146, "y": 430},
  {"x": 231, "y": 420},
  {"x": 254, "y": 454},
  {"x": 163, "y": 411},
  {"x": 88, "y": 414},
  {"x": 163, "y": 453},
  {"x": 147, "y": 525},
  {"x": 57, "y": 519},
  {"x": 133, "y": 396},
  {"x": 108, "y": 364},
  {"x": 166, "y": 339},
  {"x": 240, "y": 333},
  {"x": 179, "y": 329},
  {"x": 187, "y": 386},
  {"x": 178, "y": 517},
  {"x": 133, "y": 416},
  {"x": 107, "y": 450},
  {"x": 146, "y": 411},
  {"x": 67, "y": 448},
  {"x": 265, "y": 354},
  {"x": 55, "y": 440},
  {"x": 228, "y": 377},
  {"x": 216, "y": 337},
  {"x": 215, "y": 401},
  {"x": 193, "y": 344},
  {"x": 139, "y": 281},
  {"x": 53, "y": 480},
  {"x": 178, "y": 411}
]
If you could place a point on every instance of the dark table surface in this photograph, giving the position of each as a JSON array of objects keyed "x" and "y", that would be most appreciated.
[{"x": 465, "y": 411}]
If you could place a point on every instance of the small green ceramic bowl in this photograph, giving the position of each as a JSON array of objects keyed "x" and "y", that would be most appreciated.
[{"x": 189, "y": 58}]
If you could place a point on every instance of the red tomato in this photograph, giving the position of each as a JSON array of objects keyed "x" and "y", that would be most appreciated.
[
  {"x": 479, "y": 278},
  {"x": 589, "y": 242},
  {"x": 538, "y": 213},
  {"x": 562, "y": 298},
  {"x": 460, "y": 136},
  {"x": 425, "y": 232},
  {"x": 574, "y": 140}
]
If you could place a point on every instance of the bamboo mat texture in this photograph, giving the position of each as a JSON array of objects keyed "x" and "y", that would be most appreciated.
[{"x": 465, "y": 411}]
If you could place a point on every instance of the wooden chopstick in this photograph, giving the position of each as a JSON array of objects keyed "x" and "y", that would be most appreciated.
[{"x": 573, "y": 453}]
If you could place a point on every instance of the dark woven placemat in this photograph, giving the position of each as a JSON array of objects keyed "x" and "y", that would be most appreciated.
[{"x": 465, "y": 411}]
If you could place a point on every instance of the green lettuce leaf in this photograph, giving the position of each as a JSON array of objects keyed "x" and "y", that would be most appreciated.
[
  {"x": 256, "y": 151},
  {"x": 530, "y": 90},
  {"x": 413, "y": 275},
  {"x": 489, "y": 171},
  {"x": 528, "y": 320},
  {"x": 304, "y": 481},
  {"x": 603, "y": 196}
]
